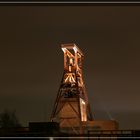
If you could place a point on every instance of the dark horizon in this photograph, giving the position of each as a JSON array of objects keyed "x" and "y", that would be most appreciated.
[{"x": 32, "y": 61}]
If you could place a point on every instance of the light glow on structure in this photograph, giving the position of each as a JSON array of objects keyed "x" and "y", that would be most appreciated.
[
  {"x": 75, "y": 49},
  {"x": 69, "y": 68},
  {"x": 64, "y": 49},
  {"x": 70, "y": 78},
  {"x": 71, "y": 61},
  {"x": 83, "y": 110}
]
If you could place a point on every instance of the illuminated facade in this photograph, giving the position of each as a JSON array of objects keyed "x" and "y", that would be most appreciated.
[{"x": 71, "y": 107}]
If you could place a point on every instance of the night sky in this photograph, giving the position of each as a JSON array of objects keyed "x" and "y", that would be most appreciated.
[{"x": 31, "y": 60}]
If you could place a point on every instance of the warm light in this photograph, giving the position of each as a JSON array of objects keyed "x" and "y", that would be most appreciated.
[
  {"x": 83, "y": 110},
  {"x": 75, "y": 49},
  {"x": 73, "y": 79},
  {"x": 66, "y": 79},
  {"x": 83, "y": 102},
  {"x": 71, "y": 61},
  {"x": 70, "y": 78},
  {"x": 64, "y": 49},
  {"x": 69, "y": 68}
]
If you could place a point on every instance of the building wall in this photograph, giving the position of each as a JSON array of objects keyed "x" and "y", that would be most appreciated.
[{"x": 101, "y": 125}]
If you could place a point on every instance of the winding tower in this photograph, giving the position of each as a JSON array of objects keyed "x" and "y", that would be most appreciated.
[{"x": 71, "y": 106}]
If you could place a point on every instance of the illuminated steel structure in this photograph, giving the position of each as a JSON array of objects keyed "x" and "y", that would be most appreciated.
[{"x": 71, "y": 107}]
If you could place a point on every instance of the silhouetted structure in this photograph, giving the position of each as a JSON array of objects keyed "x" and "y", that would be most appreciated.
[{"x": 49, "y": 127}]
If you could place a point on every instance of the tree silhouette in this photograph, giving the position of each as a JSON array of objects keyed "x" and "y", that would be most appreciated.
[{"x": 9, "y": 119}]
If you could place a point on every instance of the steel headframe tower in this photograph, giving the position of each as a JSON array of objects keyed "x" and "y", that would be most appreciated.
[{"x": 71, "y": 107}]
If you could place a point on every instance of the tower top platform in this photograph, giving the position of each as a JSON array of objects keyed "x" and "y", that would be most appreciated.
[{"x": 71, "y": 46}]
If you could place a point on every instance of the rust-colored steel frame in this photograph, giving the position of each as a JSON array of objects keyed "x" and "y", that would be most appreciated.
[{"x": 72, "y": 75}]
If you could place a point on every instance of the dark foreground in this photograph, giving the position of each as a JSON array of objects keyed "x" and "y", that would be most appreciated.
[{"x": 25, "y": 133}]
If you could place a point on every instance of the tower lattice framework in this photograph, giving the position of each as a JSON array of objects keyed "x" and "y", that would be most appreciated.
[{"x": 71, "y": 107}]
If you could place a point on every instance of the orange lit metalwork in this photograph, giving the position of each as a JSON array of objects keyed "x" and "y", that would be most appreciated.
[{"x": 71, "y": 106}]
